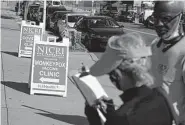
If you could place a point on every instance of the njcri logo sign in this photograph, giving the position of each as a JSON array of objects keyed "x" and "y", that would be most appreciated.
[
  {"x": 50, "y": 51},
  {"x": 31, "y": 30}
]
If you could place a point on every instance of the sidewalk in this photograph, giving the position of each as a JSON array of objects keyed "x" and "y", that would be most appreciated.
[{"x": 18, "y": 107}]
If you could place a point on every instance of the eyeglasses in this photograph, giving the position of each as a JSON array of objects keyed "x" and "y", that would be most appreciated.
[
  {"x": 115, "y": 78},
  {"x": 165, "y": 19}
]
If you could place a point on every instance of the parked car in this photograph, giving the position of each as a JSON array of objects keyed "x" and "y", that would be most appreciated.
[
  {"x": 72, "y": 18},
  {"x": 33, "y": 12},
  {"x": 144, "y": 15},
  {"x": 96, "y": 30},
  {"x": 126, "y": 16},
  {"x": 141, "y": 17},
  {"x": 109, "y": 10},
  {"x": 56, "y": 16},
  {"x": 50, "y": 11},
  {"x": 56, "y": 2},
  {"x": 149, "y": 22}
]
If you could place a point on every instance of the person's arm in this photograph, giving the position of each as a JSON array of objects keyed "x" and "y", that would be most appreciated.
[
  {"x": 183, "y": 70},
  {"x": 105, "y": 105},
  {"x": 92, "y": 115},
  {"x": 116, "y": 117},
  {"x": 113, "y": 116}
]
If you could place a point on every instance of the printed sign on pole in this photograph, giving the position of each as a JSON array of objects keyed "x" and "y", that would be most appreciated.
[
  {"x": 50, "y": 68},
  {"x": 28, "y": 30}
]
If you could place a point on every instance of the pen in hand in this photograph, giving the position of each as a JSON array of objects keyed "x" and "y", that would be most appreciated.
[{"x": 111, "y": 104}]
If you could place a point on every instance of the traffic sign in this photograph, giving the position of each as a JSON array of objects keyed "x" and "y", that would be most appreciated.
[
  {"x": 49, "y": 68},
  {"x": 28, "y": 30}
]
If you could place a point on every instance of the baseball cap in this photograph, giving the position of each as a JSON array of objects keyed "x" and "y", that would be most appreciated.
[{"x": 118, "y": 49}]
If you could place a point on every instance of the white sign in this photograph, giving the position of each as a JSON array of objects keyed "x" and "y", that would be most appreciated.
[
  {"x": 49, "y": 68},
  {"x": 28, "y": 31}
]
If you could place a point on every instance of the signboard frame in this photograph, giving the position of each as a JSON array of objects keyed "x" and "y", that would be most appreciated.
[
  {"x": 49, "y": 38},
  {"x": 28, "y": 24},
  {"x": 63, "y": 88}
]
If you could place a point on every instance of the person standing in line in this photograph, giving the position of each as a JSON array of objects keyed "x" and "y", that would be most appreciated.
[
  {"x": 168, "y": 56},
  {"x": 62, "y": 28}
]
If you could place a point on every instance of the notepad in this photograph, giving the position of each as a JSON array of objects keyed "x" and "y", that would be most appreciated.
[
  {"x": 91, "y": 90},
  {"x": 89, "y": 87}
]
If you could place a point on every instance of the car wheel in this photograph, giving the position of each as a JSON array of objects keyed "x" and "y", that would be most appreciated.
[
  {"x": 88, "y": 44},
  {"x": 93, "y": 45},
  {"x": 146, "y": 23}
]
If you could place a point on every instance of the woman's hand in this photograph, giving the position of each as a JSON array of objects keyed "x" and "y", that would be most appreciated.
[
  {"x": 104, "y": 103},
  {"x": 92, "y": 115}
]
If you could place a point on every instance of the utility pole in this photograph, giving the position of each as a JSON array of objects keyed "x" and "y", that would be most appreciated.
[
  {"x": 92, "y": 11},
  {"x": 44, "y": 15},
  {"x": 26, "y": 9},
  {"x": 19, "y": 8}
]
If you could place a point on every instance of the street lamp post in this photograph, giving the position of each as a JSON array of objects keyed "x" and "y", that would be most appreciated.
[
  {"x": 44, "y": 15},
  {"x": 19, "y": 7},
  {"x": 26, "y": 9},
  {"x": 92, "y": 7}
]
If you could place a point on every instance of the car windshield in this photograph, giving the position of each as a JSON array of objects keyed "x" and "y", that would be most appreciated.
[
  {"x": 114, "y": 8},
  {"x": 124, "y": 13},
  {"x": 41, "y": 9},
  {"x": 102, "y": 23},
  {"x": 34, "y": 8},
  {"x": 56, "y": 3},
  {"x": 60, "y": 15},
  {"x": 52, "y": 10},
  {"x": 73, "y": 18}
]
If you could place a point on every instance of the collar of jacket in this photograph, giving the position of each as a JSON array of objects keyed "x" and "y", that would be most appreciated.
[
  {"x": 129, "y": 94},
  {"x": 170, "y": 44}
]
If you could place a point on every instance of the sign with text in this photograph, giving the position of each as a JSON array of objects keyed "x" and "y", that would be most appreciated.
[
  {"x": 50, "y": 68},
  {"x": 28, "y": 31}
]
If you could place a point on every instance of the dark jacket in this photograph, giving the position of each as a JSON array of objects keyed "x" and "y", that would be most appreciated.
[{"x": 142, "y": 106}]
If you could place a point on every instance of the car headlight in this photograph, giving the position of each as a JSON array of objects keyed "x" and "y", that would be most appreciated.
[
  {"x": 104, "y": 37},
  {"x": 93, "y": 35}
]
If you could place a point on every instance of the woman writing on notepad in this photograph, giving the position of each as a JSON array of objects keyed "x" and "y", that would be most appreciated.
[{"x": 126, "y": 62}]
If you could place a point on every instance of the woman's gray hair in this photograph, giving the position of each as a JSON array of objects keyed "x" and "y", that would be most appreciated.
[
  {"x": 136, "y": 68},
  {"x": 138, "y": 72}
]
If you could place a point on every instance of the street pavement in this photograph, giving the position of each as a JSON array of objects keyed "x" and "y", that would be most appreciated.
[
  {"x": 18, "y": 107},
  {"x": 147, "y": 34}
]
